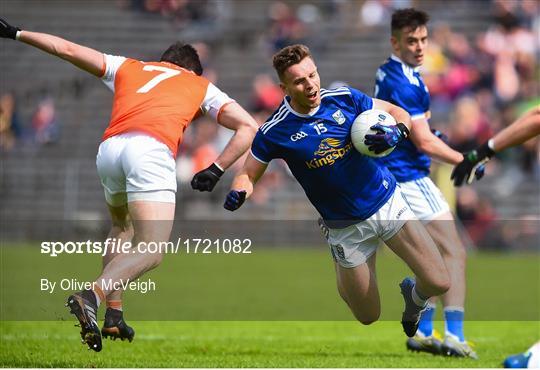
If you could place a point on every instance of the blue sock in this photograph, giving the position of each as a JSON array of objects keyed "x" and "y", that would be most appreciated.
[
  {"x": 426, "y": 320},
  {"x": 454, "y": 322}
]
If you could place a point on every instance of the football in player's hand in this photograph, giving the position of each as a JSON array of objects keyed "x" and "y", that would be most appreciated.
[{"x": 362, "y": 127}]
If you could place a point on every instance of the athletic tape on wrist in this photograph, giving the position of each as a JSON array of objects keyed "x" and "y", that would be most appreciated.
[
  {"x": 491, "y": 144},
  {"x": 218, "y": 166}
]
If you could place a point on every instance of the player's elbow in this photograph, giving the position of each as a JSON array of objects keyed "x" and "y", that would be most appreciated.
[{"x": 250, "y": 127}]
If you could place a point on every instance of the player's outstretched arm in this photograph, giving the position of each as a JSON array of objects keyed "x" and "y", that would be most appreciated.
[
  {"x": 243, "y": 183},
  {"x": 234, "y": 117},
  {"x": 87, "y": 59},
  {"x": 524, "y": 128}
]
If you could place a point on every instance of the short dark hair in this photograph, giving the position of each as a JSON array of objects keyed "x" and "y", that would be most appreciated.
[
  {"x": 288, "y": 56},
  {"x": 408, "y": 17},
  {"x": 183, "y": 55}
]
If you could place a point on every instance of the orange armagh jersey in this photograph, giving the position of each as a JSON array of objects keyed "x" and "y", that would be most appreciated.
[{"x": 159, "y": 99}]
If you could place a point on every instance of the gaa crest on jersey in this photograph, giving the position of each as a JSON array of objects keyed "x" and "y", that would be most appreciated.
[{"x": 339, "y": 117}]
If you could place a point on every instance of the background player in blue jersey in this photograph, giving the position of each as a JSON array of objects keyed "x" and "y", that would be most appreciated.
[
  {"x": 399, "y": 82},
  {"x": 357, "y": 198}
]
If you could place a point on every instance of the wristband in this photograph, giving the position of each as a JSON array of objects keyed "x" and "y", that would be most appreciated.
[
  {"x": 491, "y": 144},
  {"x": 216, "y": 170},
  {"x": 403, "y": 130},
  {"x": 484, "y": 151}
]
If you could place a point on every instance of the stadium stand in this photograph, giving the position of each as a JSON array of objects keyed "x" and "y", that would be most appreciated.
[{"x": 59, "y": 181}]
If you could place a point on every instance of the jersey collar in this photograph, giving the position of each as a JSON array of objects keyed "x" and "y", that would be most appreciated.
[
  {"x": 290, "y": 109},
  {"x": 178, "y": 67},
  {"x": 396, "y": 58}
]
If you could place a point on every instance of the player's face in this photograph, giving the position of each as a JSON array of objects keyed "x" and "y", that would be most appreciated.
[
  {"x": 410, "y": 46},
  {"x": 303, "y": 84}
]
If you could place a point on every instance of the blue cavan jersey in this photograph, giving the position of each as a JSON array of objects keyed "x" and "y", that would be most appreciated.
[
  {"x": 344, "y": 186},
  {"x": 399, "y": 84}
]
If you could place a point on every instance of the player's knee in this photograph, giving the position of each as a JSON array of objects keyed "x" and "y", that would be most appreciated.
[
  {"x": 121, "y": 223},
  {"x": 368, "y": 319},
  {"x": 157, "y": 258},
  {"x": 441, "y": 284},
  {"x": 436, "y": 284}
]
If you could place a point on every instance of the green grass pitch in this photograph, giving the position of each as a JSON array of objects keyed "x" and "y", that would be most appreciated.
[
  {"x": 274, "y": 308},
  {"x": 252, "y": 344}
]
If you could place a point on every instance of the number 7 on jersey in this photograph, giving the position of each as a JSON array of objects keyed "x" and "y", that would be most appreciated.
[{"x": 166, "y": 73}]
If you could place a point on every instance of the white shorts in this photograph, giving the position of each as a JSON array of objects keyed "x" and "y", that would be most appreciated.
[
  {"x": 353, "y": 245},
  {"x": 135, "y": 166},
  {"x": 425, "y": 199}
]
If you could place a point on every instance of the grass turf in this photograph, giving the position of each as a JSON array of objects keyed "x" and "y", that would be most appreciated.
[
  {"x": 252, "y": 344},
  {"x": 274, "y": 308}
]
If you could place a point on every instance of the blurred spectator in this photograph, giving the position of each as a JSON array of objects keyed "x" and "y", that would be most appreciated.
[
  {"x": 477, "y": 215},
  {"x": 375, "y": 13},
  {"x": 209, "y": 71},
  {"x": 10, "y": 128},
  {"x": 44, "y": 123},
  {"x": 506, "y": 78},
  {"x": 267, "y": 95},
  {"x": 204, "y": 152},
  {"x": 198, "y": 150},
  {"x": 478, "y": 84},
  {"x": 284, "y": 28},
  {"x": 469, "y": 126},
  {"x": 182, "y": 13}
]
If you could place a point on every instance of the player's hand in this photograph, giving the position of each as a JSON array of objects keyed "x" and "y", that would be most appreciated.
[
  {"x": 386, "y": 137},
  {"x": 234, "y": 200},
  {"x": 440, "y": 135},
  {"x": 7, "y": 31},
  {"x": 467, "y": 170},
  {"x": 207, "y": 179},
  {"x": 472, "y": 166}
]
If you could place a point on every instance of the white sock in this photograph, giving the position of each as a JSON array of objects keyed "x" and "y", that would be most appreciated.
[{"x": 417, "y": 299}]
